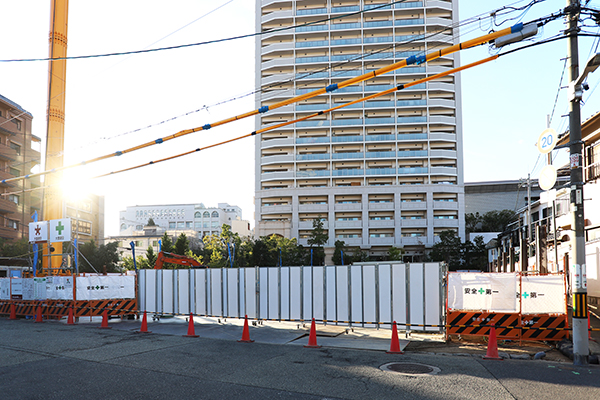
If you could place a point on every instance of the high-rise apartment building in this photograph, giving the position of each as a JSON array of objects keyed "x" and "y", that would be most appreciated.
[
  {"x": 19, "y": 153},
  {"x": 386, "y": 172}
]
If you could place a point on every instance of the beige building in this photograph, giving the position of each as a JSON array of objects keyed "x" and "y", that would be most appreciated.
[{"x": 19, "y": 154}]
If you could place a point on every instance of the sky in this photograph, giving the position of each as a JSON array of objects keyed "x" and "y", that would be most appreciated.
[{"x": 113, "y": 103}]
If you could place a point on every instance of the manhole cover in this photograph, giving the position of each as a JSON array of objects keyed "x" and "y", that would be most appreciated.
[{"x": 410, "y": 368}]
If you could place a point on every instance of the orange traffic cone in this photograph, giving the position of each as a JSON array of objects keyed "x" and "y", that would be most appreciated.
[
  {"x": 70, "y": 320},
  {"x": 38, "y": 317},
  {"x": 246, "y": 332},
  {"x": 191, "y": 331},
  {"x": 312, "y": 337},
  {"x": 395, "y": 345},
  {"x": 492, "y": 349},
  {"x": 13, "y": 311},
  {"x": 104, "y": 324},
  {"x": 144, "y": 328}
]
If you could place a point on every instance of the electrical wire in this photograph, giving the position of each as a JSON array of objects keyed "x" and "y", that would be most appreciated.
[{"x": 182, "y": 46}]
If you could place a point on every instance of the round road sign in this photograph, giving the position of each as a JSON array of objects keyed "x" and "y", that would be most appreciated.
[
  {"x": 547, "y": 177},
  {"x": 547, "y": 141}
]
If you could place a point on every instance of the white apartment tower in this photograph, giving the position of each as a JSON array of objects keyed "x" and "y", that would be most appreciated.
[{"x": 381, "y": 173}]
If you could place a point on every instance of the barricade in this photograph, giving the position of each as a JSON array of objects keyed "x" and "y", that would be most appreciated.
[{"x": 478, "y": 301}]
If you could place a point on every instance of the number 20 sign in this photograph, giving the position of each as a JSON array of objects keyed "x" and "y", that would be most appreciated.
[{"x": 547, "y": 141}]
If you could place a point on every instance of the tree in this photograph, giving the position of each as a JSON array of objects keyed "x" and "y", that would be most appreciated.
[
  {"x": 95, "y": 258},
  {"x": 150, "y": 222},
  {"x": 395, "y": 254},
  {"x": 340, "y": 246},
  {"x": 448, "y": 249},
  {"x": 318, "y": 237},
  {"x": 182, "y": 245},
  {"x": 491, "y": 221},
  {"x": 166, "y": 244},
  {"x": 151, "y": 257}
]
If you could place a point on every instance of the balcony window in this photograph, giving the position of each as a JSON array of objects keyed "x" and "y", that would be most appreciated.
[
  {"x": 15, "y": 147},
  {"x": 14, "y": 198}
]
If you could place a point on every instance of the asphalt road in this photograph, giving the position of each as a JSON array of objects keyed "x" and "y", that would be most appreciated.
[{"x": 57, "y": 361}]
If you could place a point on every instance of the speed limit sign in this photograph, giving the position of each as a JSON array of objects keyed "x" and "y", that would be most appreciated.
[{"x": 547, "y": 141}]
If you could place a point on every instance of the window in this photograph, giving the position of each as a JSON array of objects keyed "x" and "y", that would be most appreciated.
[
  {"x": 172, "y": 225},
  {"x": 15, "y": 147},
  {"x": 14, "y": 171},
  {"x": 215, "y": 214},
  {"x": 206, "y": 224},
  {"x": 197, "y": 214},
  {"x": 189, "y": 225},
  {"x": 215, "y": 224},
  {"x": 14, "y": 198},
  {"x": 155, "y": 243},
  {"x": 83, "y": 227},
  {"x": 138, "y": 243},
  {"x": 17, "y": 124},
  {"x": 206, "y": 214},
  {"x": 139, "y": 227},
  {"x": 123, "y": 227},
  {"x": 13, "y": 224},
  {"x": 180, "y": 225}
]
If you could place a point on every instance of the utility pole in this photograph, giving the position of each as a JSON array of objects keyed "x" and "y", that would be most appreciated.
[{"x": 577, "y": 267}]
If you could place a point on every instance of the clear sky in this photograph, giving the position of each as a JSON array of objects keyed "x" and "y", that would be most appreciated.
[{"x": 109, "y": 100}]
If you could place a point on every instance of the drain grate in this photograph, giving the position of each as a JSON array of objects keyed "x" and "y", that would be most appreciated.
[{"x": 410, "y": 368}]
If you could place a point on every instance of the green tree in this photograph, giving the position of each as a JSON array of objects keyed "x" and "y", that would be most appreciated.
[
  {"x": 497, "y": 221},
  {"x": 448, "y": 249},
  {"x": 166, "y": 244},
  {"x": 395, "y": 254},
  {"x": 151, "y": 257},
  {"x": 150, "y": 222},
  {"x": 317, "y": 238},
  {"x": 182, "y": 245},
  {"x": 340, "y": 246},
  {"x": 96, "y": 257},
  {"x": 215, "y": 250}
]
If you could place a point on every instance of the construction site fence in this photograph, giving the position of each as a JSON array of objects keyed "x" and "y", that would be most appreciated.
[
  {"x": 523, "y": 306},
  {"x": 366, "y": 294}
]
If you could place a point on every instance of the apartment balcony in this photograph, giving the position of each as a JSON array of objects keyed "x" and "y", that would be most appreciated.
[
  {"x": 289, "y": 110},
  {"x": 382, "y": 223},
  {"x": 442, "y": 5},
  {"x": 7, "y": 206},
  {"x": 277, "y": 94},
  {"x": 442, "y": 103},
  {"x": 266, "y": 144},
  {"x": 443, "y": 171},
  {"x": 9, "y": 233},
  {"x": 275, "y": 78},
  {"x": 285, "y": 47},
  {"x": 275, "y": 176},
  {"x": 284, "y": 208},
  {"x": 316, "y": 208},
  {"x": 446, "y": 137},
  {"x": 5, "y": 175},
  {"x": 382, "y": 206},
  {"x": 265, "y": 160},
  {"x": 348, "y": 224},
  {"x": 445, "y": 205},
  {"x": 350, "y": 241},
  {"x": 413, "y": 205},
  {"x": 382, "y": 241},
  {"x": 441, "y": 86},
  {"x": 277, "y": 63},
  {"x": 348, "y": 207},
  {"x": 446, "y": 223},
  {"x": 309, "y": 225},
  {"x": 7, "y": 153},
  {"x": 421, "y": 222},
  {"x": 414, "y": 240},
  {"x": 275, "y": 15},
  {"x": 442, "y": 119},
  {"x": 442, "y": 153}
]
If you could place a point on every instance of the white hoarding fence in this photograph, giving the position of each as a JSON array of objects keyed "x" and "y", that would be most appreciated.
[
  {"x": 366, "y": 294},
  {"x": 102, "y": 287},
  {"x": 543, "y": 294}
]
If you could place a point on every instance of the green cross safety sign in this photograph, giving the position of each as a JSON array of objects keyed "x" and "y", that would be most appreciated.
[{"x": 60, "y": 227}]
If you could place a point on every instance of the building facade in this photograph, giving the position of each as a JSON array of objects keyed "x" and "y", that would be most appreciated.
[
  {"x": 380, "y": 173},
  {"x": 19, "y": 154},
  {"x": 194, "y": 218}
]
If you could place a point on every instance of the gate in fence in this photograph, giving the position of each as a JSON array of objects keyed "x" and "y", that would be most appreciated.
[{"x": 366, "y": 294}]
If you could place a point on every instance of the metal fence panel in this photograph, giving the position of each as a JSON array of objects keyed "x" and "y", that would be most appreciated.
[
  {"x": 399, "y": 294},
  {"x": 296, "y": 293},
  {"x": 384, "y": 300}
]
